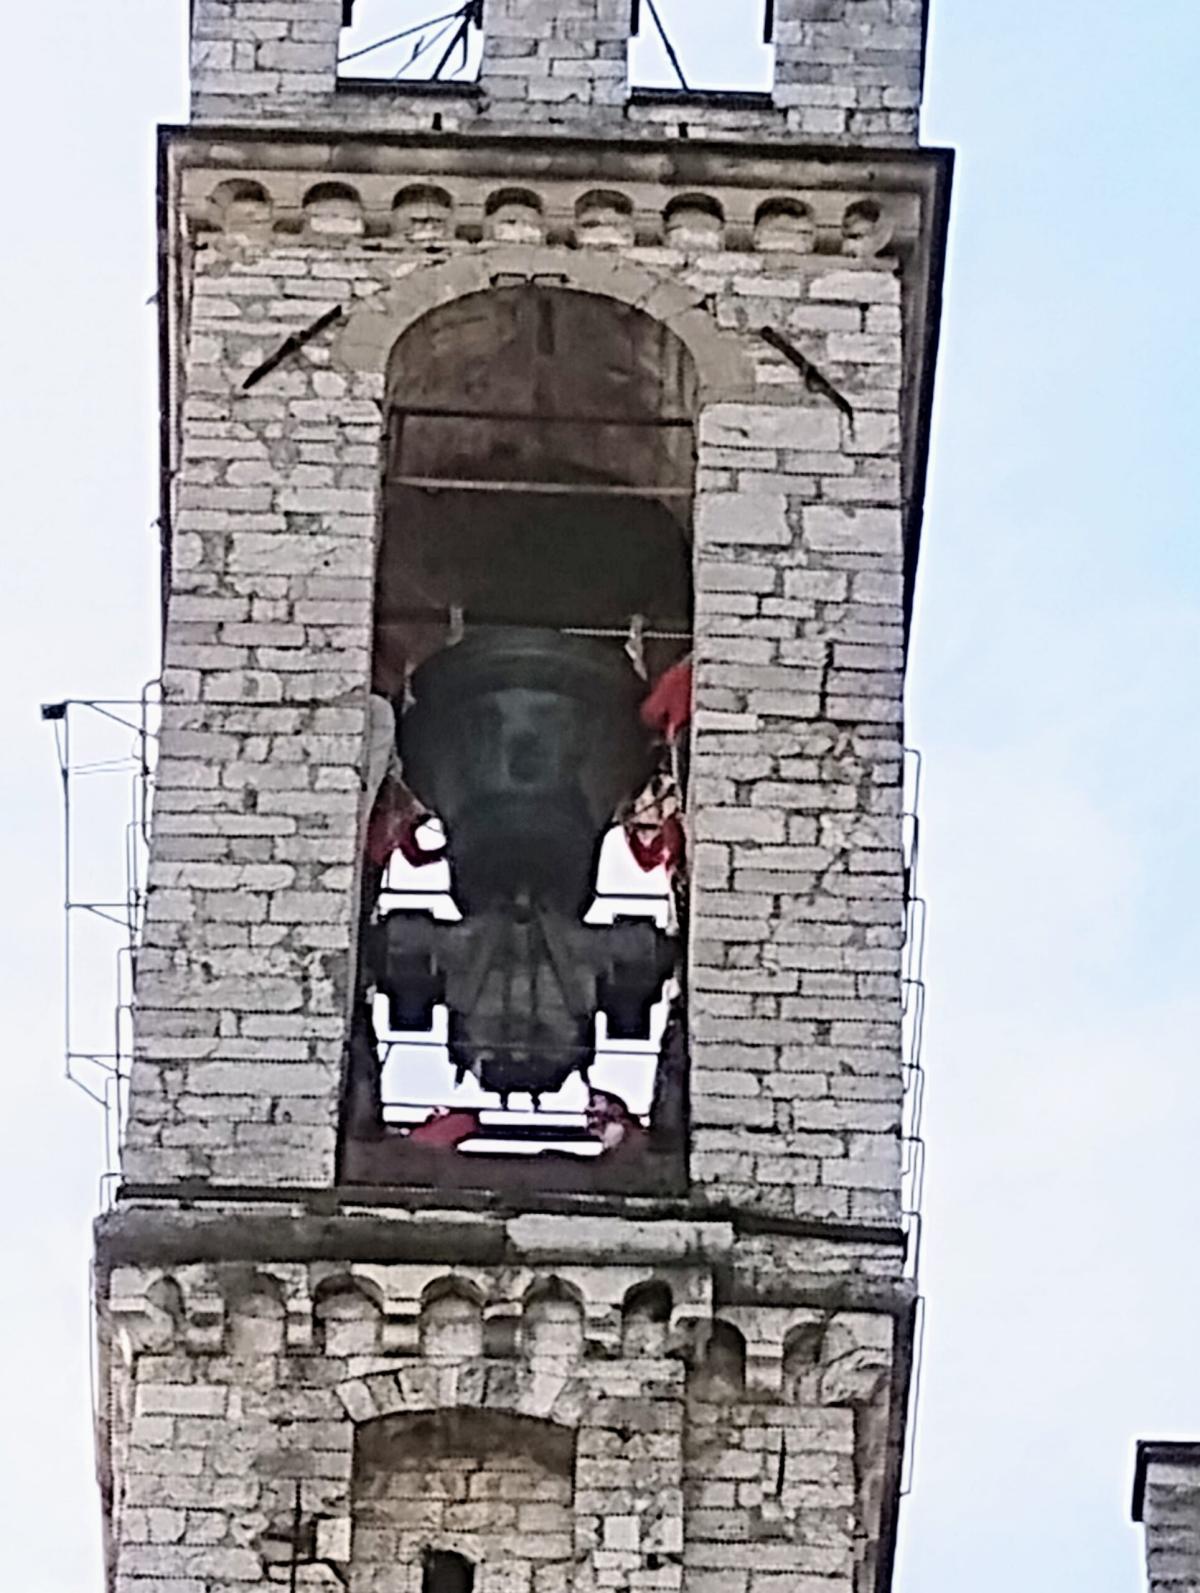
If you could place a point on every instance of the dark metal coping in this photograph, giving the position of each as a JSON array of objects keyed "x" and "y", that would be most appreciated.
[
  {"x": 704, "y": 99},
  {"x": 342, "y": 1213},
  {"x": 1152, "y": 1451},
  {"x": 422, "y": 88},
  {"x": 938, "y": 160},
  {"x": 900, "y": 1399}
]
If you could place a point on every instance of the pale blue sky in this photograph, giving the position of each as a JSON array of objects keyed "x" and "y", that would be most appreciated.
[{"x": 1053, "y": 691}]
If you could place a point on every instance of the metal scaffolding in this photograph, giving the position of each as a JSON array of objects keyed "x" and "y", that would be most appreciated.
[{"x": 106, "y": 749}]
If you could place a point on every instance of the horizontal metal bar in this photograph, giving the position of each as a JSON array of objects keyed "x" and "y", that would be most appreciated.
[
  {"x": 573, "y": 1132},
  {"x": 650, "y": 1048},
  {"x": 600, "y": 896},
  {"x": 665, "y": 631},
  {"x": 571, "y": 489},
  {"x": 423, "y": 412}
]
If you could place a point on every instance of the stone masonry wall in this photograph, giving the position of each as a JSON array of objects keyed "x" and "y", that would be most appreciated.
[
  {"x": 589, "y": 1426},
  {"x": 243, "y": 979},
  {"x": 797, "y": 927},
  {"x": 850, "y": 70},
  {"x": 263, "y": 58},
  {"x": 244, "y": 974},
  {"x": 795, "y": 956},
  {"x": 1169, "y": 1511},
  {"x": 554, "y": 57},
  {"x": 846, "y": 71}
]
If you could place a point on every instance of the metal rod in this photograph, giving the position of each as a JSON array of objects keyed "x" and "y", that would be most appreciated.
[
  {"x": 668, "y": 47},
  {"x": 670, "y": 632},
  {"x": 297, "y": 1520},
  {"x": 549, "y": 488},
  {"x": 460, "y": 38},
  {"x": 649, "y": 1049},
  {"x": 424, "y": 47},
  {"x": 434, "y": 412},
  {"x": 600, "y": 896},
  {"x": 395, "y": 38}
]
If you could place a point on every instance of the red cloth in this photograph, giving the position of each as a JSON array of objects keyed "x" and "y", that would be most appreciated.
[
  {"x": 661, "y": 848},
  {"x": 393, "y": 825},
  {"x": 668, "y": 708},
  {"x": 410, "y": 848},
  {"x": 446, "y": 1128}
]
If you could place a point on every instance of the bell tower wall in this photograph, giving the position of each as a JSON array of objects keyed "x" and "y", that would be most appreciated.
[
  {"x": 258, "y": 58},
  {"x": 246, "y": 974},
  {"x": 579, "y": 1370}
]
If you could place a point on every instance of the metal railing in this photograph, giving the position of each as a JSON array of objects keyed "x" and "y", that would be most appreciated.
[
  {"x": 107, "y": 751},
  {"x": 913, "y": 1073}
]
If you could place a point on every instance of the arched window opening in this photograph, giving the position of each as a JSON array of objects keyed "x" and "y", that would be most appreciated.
[
  {"x": 444, "y": 1571},
  {"x": 525, "y": 884}
]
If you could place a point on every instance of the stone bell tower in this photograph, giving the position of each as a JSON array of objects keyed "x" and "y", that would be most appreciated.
[{"x": 512, "y": 1167}]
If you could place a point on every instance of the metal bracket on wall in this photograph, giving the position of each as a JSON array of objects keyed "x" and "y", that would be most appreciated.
[
  {"x": 814, "y": 380},
  {"x": 292, "y": 345}
]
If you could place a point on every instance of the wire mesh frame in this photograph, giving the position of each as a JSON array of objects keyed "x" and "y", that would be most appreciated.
[
  {"x": 912, "y": 1013},
  {"x": 103, "y": 1075},
  {"x": 913, "y": 999}
]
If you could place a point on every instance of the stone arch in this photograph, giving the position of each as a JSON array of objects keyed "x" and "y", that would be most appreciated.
[
  {"x": 724, "y": 367},
  {"x": 856, "y": 1358},
  {"x": 166, "y": 1310},
  {"x": 423, "y": 213},
  {"x": 721, "y": 1374},
  {"x": 785, "y": 226},
  {"x": 552, "y": 1322},
  {"x": 514, "y": 215},
  {"x": 471, "y": 389},
  {"x": 256, "y": 1316},
  {"x": 347, "y": 1316},
  {"x": 803, "y": 1346},
  {"x": 333, "y": 210},
  {"x": 604, "y": 219},
  {"x": 450, "y": 1326},
  {"x": 475, "y": 1385},
  {"x": 694, "y": 221},
  {"x": 646, "y": 1318},
  {"x": 867, "y": 230},
  {"x": 241, "y": 208}
]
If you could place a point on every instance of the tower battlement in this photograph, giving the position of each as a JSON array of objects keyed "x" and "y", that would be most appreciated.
[{"x": 845, "y": 72}]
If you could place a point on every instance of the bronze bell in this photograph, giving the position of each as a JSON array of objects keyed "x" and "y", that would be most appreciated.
[{"x": 525, "y": 743}]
